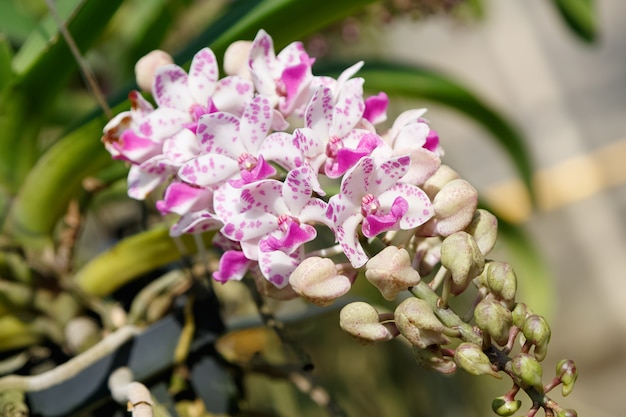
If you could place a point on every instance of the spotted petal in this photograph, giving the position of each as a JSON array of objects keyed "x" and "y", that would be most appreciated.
[
  {"x": 170, "y": 88},
  {"x": 420, "y": 208},
  {"x": 219, "y": 133},
  {"x": 208, "y": 169},
  {"x": 255, "y": 123},
  {"x": 349, "y": 107},
  {"x": 277, "y": 266},
  {"x": 195, "y": 222},
  {"x": 203, "y": 74}
]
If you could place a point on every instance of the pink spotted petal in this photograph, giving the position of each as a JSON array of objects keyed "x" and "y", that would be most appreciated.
[
  {"x": 162, "y": 123},
  {"x": 315, "y": 212},
  {"x": 181, "y": 198},
  {"x": 219, "y": 133},
  {"x": 261, "y": 171},
  {"x": 144, "y": 178},
  {"x": 376, "y": 108},
  {"x": 134, "y": 148},
  {"x": 389, "y": 173},
  {"x": 279, "y": 147},
  {"x": 384, "y": 221},
  {"x": 262, "y": 63},
  {"x": 419, "y": 210},
  {"x": 348, "y": 73},
  {"x": 255, "y": 123},
  {"x": 347, "y": 157},
  {"x": 277, "y": 266},
  {"x": 288, "y": 241},
  {"x": 347, "y": 236},
  {"x": 232, "y": 267},
  {"x": 231, "y": 94},
  {"x": 170, "y": 88},
  {"x": 181, "y": 147},
  {"x": 319, "y": 113},
  {"x": 295, "y": 79},
  {"x": 203, "y": 74},
  {"x": 208, "y": 170},
  {"x": 297, "y": 188},
  {"x": 349, "y": 107}
]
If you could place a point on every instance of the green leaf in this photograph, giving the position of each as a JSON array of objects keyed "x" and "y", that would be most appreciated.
[
  {"x": 420, "y": 83},
  {"x": 6, "y": 55},
  {"x": 24, "y": 102},
  {"x": 285, "y": 20},
  {"x": 54, "y": 180},
  {"x": 15, "y": 23},
  {"x": 131, "y": 258},
  {"x": 580, "y": 16}
]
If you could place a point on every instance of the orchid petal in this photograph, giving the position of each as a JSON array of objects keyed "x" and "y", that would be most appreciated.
[
  {"x": 255, "y": 123},
  {"x": 348, "y": 108},
  {"x": 279, "y": 147},
  {"x": 181, "y": 198},
  {"x": 162, "y": 123},
  {"x": 297, "y": 189},
  {"x": 277, "y": 266},
  {"x": 181, "y": 147},
  {"x": 411, "y": 136},
  {"x": 208, "y": 169},
  {"x": 203, "y": 74},
  {"x": 420, "y": 208},
  {"x": 195, "y": 222},
  {"x": 262, "y": 63},
  {"x": 170, "y": 88},
  {"x": 231, "y": 94},
  {"x": 319, "y": 113},
  {"x": 405, "y": 118},
  {"x": 376, "y": 108},
  {"x": 219, "y": 133},
  {"x": 347, "y": 236},
  {"x": 233, "y": 266}
]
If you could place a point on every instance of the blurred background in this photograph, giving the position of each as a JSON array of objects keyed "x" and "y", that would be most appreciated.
[{"x": 567, "y": 97}]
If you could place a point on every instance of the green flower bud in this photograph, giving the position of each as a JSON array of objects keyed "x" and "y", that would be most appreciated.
[
  {"x": 528, "y": 370},
  {"x": 504, "y": 406},
  {"x": 416, "y": 321},
  {"x": 391, "y": 272},
  {"x": 317, "y": 280},
  {"x": 438, "y": 180},
  {"x": 494, "y": 319},
  {"x": 361, "y": 320},
  {"x": 454, "y": 207},
  {"x": 484, "y": 229},
  {"x": 520, "y": 312},
  {"x": 567, "y": 413},
  {"x": 473, "y": 360},
  {"x": 462, "y": 257},
  {"x": 566, "y": 371},
  {"x": 501, "y": 281},
  {"x": 537, "y": 331},
  {"x": 431, "y": 358}
]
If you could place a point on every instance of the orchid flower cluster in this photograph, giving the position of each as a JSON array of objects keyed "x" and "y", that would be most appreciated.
[
  {"x": 247, "y": 154},
  {"x": 276, "y": 160}
]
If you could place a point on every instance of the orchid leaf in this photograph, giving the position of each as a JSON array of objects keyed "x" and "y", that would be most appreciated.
[
  {"x": 425, "y": 84},
  {"x": 132, "y": 257},
  {"x": 285, "y": 20},
  {"x": 580, "y": 16}
]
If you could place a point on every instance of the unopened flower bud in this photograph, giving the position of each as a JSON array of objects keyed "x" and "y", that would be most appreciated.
[
  {"x": 484, "y": 229},
  {"x": 416, "y": 321},
  {"x": 504, "y": 406},
  {"x": 537, "y": 331},
  {"x": 567, "y": 413},
  {"x": 432, "y": 358},
  {"x": 494, "y": 319},
  {"x": 438, "y": 180},
  {"x": 501, "y": 281},
  {"x": 316, "y": 280},
  {"x": 147, "y": 65},
  {"x": 566, "y": 371},
  {"x": 462, "y": 257},
  {"x": 473, "y": 360},
  {"x": 454, "y": 207},
  {"x": 391, "y": 272},
  {"x": 362, "y": 321},
  {"x": 520, "y": 312},
  {"x": 236, "y": 59},
  {"x": 528, "y": 370}
]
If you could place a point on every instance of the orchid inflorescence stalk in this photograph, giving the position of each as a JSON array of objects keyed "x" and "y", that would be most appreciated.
[{"x": 277, "y": 160}]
